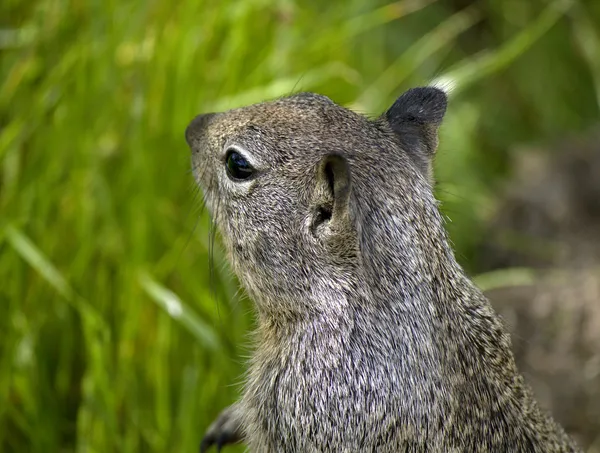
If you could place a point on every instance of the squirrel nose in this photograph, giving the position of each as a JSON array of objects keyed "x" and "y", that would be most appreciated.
[{"x": 196, "y": 126}]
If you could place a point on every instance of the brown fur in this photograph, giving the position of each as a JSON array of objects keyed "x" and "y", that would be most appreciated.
[{"x": 370, "y": 335}]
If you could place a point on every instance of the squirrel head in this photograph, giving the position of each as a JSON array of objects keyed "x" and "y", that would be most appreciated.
[{"x": 297, "y": 186}]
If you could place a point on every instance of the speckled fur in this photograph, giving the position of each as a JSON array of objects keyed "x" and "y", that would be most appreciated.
[{"x": 370, "y": 335}]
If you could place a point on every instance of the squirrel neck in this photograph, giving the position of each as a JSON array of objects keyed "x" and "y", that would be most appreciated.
[
  {"x": 409, "y": 285},
  {"x": 405, "y": 253},
  {"x": 412, "y": 326}
]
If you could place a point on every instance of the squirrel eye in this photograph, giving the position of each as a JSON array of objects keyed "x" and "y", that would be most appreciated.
[{"x": 238, "y": 168}]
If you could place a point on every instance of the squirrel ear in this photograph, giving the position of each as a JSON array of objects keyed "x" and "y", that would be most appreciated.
[
  {"x": 415, "y": 117},
  {"x": 333, "y": 192}
]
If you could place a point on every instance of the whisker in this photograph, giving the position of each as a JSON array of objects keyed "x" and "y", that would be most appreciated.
[
  {"x": 211, "y": 255},
  {"x": 189, "y": 238},
  {"x": 296, "y": 84}
]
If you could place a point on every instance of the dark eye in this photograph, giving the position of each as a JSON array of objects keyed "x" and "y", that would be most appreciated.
[{"x": 237, "y": 166}]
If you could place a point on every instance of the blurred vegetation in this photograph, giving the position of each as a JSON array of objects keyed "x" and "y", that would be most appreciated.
[{"x": 113, "y": 335}]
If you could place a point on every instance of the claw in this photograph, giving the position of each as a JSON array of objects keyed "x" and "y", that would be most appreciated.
[
  {"x": 224, "y": 431},
  {"x": 222, "y": 440},
  {"x": 206, "y": 443}
]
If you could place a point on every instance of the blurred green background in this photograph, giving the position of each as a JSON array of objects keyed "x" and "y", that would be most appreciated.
[{"x": 114, "y": 337}]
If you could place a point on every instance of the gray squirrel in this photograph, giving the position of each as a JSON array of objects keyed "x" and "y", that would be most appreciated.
[{"x": 370, "y": 335}]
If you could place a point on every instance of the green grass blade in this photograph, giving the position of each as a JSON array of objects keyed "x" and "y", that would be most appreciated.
[
  {"x": 472, "y": 70},
  {"x": 180, "y": 312},
  {"x": 36, "y": 259},
  {"x": 422, "y": 50},
  {"x": 503, "y": 278}
]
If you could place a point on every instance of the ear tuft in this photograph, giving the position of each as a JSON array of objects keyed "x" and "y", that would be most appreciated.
[
  {"x": 415, "y": 118},
  {"x": 424, "y": 105}
]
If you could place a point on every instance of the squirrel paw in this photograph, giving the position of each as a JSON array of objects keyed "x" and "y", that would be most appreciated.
[{"x": 225, "y": 430}]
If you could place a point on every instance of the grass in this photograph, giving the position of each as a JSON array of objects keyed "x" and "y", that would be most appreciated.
[{"x": 112, "y": 335}]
